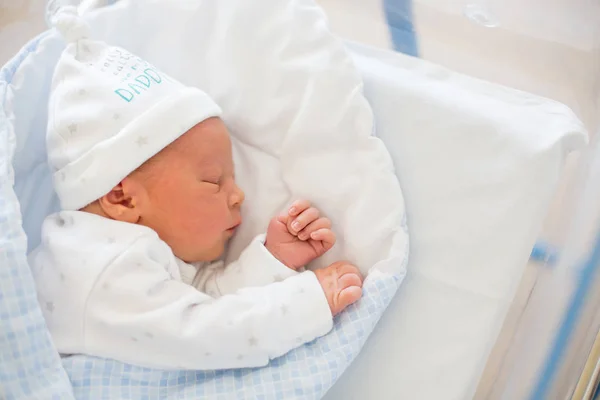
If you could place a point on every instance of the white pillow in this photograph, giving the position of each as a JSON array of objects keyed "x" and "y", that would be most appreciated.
[{"x": 478, "y": 164}]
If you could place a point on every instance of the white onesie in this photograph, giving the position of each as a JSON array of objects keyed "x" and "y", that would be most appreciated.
[{"x": 115, "y": 290}]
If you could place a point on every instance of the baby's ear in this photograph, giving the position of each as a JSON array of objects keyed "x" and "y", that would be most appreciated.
[{"x": 123, "y": 202}]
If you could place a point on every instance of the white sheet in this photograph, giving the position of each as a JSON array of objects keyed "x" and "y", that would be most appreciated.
[{"x": 478, "y": 163}]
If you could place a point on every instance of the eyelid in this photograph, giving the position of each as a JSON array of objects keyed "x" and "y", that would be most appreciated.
[{"x": 217, "y": 179}]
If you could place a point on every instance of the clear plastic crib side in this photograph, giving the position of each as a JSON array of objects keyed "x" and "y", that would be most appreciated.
[{"x": 553, "y": 353}]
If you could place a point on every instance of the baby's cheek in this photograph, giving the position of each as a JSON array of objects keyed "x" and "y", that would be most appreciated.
[
  {"x": 201, "y": 224},
  {"x": 195, "y": 225},
  {"x": 207, "y": 215}
]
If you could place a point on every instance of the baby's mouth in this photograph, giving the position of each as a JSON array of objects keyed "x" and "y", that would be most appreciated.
[{"x": 234, "y": 228}]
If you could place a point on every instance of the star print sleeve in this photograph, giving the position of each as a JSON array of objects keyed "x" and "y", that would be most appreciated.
[
  {"x": 137, "y": 314},
  {"x": 256, "y": 266}
]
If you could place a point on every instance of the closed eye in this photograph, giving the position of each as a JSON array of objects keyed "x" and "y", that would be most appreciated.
[
  {"x": 213, "y": 185},
  {"x": 212, "y": 181}
]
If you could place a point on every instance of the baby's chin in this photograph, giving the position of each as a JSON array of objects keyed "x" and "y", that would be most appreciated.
[{"x": 208, "y": 255}]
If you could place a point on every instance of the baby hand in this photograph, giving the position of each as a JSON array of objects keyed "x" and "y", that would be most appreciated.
[
  {"x": 299, "y": 236},
  {"x": 342, "y": 283}
]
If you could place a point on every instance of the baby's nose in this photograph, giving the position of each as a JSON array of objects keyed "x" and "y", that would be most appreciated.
[{"x": 237, "y": 197}]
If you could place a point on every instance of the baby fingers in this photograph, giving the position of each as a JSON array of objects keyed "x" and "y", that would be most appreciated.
[
  {"x": 350, "y": 279},
  {"x": 348, "y": 296},
  {"x": 349, "y": 283},
  {"x": 301, "y": 221},
  {"x": 325, "y": 236},
  {"x": 321, "y": 223},
  {"x": 298, "y": 207}
]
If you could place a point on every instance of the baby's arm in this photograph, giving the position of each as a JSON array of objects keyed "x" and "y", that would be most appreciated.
[
  {"x": 137, "y": 314},
  {"x": 255, "y": 267},
  {"x": 296, "y": 237}
]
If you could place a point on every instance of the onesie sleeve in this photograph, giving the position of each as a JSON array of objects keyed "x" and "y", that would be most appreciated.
[
  {"x": 138, "y": 313},
  {"x": 255, "y": 267}
]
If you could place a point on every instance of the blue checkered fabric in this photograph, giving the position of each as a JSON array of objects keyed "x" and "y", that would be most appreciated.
[
  {"x": 304, "y": 373},
  {"x": 30, "y": 367}
]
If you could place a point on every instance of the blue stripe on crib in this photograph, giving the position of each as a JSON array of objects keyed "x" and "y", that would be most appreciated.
[
  {"x": 564, "y": 335},
  {"x": 400, "y": 21},
  {"x": 545, "y": 253}
]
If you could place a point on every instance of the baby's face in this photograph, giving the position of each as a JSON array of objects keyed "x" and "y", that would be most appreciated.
[{"x": 192, "y": 201}]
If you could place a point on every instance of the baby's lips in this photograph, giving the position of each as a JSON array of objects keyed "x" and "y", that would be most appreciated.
[{"x": 235, "y": 225}]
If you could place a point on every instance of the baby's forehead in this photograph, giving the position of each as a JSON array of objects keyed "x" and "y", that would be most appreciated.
[
  {"x": 205, "y": 155},
  {"x": 200, "y": 148}
]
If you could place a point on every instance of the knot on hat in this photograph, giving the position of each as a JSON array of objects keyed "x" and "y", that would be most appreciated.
[{"x": 71, "y": 26}]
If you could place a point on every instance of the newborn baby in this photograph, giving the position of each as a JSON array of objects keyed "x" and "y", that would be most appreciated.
[{"x": 143, "y": 169}]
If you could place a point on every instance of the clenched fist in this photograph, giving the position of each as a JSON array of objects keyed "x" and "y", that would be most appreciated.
[
  {"x": 342, "y": 284},
  {"x": 299, "y": 235}
]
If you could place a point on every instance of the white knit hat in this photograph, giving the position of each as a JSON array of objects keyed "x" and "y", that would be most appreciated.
[{"x": 110, "y": 111}]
